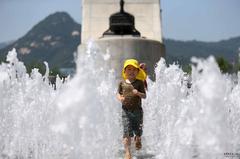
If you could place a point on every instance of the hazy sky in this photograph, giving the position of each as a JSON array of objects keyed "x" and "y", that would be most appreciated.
[{"x": 205, "y": 20}]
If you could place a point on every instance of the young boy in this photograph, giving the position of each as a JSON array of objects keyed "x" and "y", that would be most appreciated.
[{"x": 130, "y": 92}]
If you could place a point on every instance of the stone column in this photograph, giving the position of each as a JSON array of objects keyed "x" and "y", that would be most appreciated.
[
  {"x": 148, "y": 48},
  {"x": 96, "y": 13}
]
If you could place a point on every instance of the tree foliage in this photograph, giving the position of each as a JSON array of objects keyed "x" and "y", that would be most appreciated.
[
  {"x": 224, "y": 65},
  {"x": 187, "y": 68}
]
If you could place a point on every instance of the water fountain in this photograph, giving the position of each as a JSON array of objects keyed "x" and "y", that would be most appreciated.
[{"x": 81, "y": 117}]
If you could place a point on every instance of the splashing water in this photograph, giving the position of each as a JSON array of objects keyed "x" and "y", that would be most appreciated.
[
  {"x": 82, "y": 118},
  {"x": 27, "y": 110}
]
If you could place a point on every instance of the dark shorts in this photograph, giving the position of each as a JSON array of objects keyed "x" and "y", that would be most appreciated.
[{"x": 132, "y": 122}]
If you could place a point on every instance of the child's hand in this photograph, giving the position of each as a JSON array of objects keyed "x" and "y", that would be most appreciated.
[
  {"x": 135, "y": 92},
  {"x": 121, "y": 98}
]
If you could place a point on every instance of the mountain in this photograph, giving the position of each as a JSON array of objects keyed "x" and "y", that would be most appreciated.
[
  {"x": 182, "y": 51},
  {"x": 2, "y": 45},
  {"x": 56, "y": 38},
  {"x": 5, "y": 44},
  {"x": 53, "y": 39}
]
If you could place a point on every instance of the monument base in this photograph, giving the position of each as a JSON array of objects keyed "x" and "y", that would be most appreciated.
[{"x": 121, "y": 48}]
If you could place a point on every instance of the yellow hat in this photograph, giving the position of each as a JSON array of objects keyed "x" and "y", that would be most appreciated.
[{"x": 141, "y": 74}]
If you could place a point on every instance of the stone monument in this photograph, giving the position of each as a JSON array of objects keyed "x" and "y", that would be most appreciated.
[{"x": 130, "y": 29}]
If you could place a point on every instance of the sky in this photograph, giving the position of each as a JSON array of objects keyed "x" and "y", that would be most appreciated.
[{"x": 204, "y": 20}]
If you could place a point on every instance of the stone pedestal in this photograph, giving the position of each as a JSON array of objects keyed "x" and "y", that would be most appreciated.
[
  {"x": 96, "y": 13},
  {"x": 148, "y": 48},
  {"x": 125, "y": 47}
]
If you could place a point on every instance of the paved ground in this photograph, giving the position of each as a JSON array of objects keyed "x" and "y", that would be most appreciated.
[{"x": 136, "y": 155}]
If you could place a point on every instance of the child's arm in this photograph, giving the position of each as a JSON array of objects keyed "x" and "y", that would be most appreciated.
[
  {"x": 120, "y": 97},
  {"x": 140, "y": 91},
  {"x": 140, "y": 94}
]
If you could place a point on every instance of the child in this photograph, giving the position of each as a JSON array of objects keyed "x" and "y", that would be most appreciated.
[{"x": 130, "y": 92}]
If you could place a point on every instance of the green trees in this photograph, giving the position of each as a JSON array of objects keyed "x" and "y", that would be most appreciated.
[
  {"x": 187, "y": 68},
  {"x": 224, "y": 65}
]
